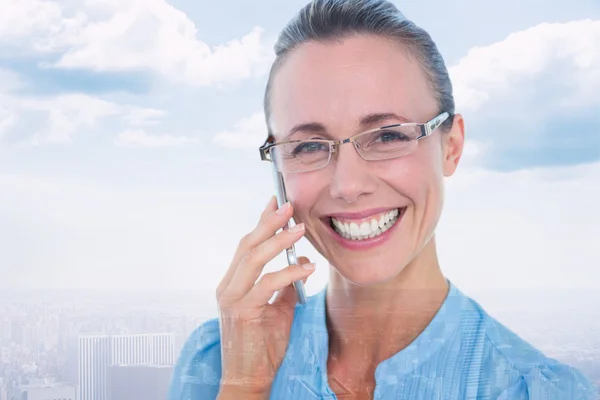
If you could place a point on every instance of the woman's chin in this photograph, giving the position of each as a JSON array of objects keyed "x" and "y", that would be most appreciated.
[{"x": 366, "y": 274}]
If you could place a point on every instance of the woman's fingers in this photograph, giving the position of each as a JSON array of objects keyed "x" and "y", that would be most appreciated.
[
  {"x": 288, "y": 296},
  {"x": 242, "y": 248},
  {"x": 257, "y": 248},
  {"x": 271, "y": 206},
  {"x": 269, "y": 223},
  {"x": 268, "y": 284},
  {"x": 253, "y": 262}
]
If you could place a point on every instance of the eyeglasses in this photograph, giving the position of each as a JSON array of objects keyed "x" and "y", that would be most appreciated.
[{"x": 384, "y": 143}]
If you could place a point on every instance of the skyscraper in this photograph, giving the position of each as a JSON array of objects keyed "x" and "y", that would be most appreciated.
[
  {"x": 93, "y": 362},
  {"x": 143, "y": 349},
  {"x": 3, "y": 391},
  {"x": 96, "y": 353},
  {"x": 45, "y": 392},
  {"x": 126, "y": 382}
]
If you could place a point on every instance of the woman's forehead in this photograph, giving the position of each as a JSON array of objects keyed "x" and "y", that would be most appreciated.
[{"x": 347, "y": 80}]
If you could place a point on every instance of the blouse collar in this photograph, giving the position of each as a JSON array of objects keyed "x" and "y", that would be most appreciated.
[{"x": 443, "y": 325}]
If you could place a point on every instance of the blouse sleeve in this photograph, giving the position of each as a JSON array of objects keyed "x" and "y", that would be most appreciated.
[
  {"x": 197, "y": 372},
  {"x": 551, "y": 382}
]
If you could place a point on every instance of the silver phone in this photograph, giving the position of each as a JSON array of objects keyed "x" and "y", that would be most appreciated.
[{"x": 291, "y": 251}]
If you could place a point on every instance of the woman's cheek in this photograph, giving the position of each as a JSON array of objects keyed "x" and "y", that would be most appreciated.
[
  {"x": 303, "y": 191},
  {"x": 297, "y": 196}
]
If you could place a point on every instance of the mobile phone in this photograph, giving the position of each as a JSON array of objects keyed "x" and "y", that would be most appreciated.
[{"x": 290, "y": 251}]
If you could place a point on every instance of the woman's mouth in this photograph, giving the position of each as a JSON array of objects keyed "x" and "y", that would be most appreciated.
[{"x": 366, "y": 228}]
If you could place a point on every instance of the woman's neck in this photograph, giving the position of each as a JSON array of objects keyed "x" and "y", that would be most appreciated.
[{"x": 370, "y": 324}]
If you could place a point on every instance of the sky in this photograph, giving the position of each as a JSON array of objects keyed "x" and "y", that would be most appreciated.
[{"x": 129, "y": 134}]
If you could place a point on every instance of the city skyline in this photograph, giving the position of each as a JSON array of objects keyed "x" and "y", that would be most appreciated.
[
  {"x": 49, "y": 346},
  {"x": 563, "y": 325}
]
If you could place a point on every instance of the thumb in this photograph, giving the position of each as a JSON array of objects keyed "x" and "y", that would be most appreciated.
[{"x": 287, "y": 296}]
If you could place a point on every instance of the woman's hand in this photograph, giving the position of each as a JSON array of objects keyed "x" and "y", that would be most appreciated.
[{"x": 255, "y": 333}]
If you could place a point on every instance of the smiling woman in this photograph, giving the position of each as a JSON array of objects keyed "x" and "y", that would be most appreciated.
[{"x": 362, "y": 127}]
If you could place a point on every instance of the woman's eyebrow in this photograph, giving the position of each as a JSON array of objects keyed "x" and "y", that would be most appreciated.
[
  {"x": 365, "y": 121},
  {"x": 376, "y": 118},
  {"x": 309, "y": 126}
]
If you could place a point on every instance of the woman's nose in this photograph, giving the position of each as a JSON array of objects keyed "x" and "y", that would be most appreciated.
[{"x": 352, "y": 177}]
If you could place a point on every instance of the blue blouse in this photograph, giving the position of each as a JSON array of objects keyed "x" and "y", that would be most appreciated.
[{"x": 462, "y": 354}]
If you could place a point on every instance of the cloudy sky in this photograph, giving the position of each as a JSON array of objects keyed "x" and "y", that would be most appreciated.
[{"x": 129, "y": 133}]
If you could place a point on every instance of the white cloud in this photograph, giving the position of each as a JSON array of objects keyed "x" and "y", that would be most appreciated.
[
  {"x": 33, "y": 22},
  {"x": 68, "y": 115},
  {"x": 139, "y": 116},
  {"x": 140, "y": 138},
  {"x": 532, "y": 98},
  {"x": 132, "y": 35},
  {"x": 474, "y": 152},
  {"x": 7, "y": 119},
  {"x": 557, "y": 53},
  {"x": 9, "y": 81},
  {"x": 249, "y": 132},
  {"x": 57, "y": 119}
]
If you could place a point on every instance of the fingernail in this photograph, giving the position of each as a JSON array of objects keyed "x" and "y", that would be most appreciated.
[
  {"x": 296, "y": 228},
  {"x": 309, "y": 266},
  {"x": 283, "y": 208}
]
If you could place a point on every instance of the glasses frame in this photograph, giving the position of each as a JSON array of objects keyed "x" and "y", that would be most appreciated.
[{"x": 427, "y": 128}]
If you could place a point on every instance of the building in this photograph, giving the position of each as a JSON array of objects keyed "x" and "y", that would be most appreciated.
[
  {"x": 132, "y": 382},
  {"x": 3, "y": 392},
  {"x": 96, "y": 353},
  {"x": 143, "y": 349},
  {"x": 50, "y": 392},
  {"x": 93, "y": 362}
]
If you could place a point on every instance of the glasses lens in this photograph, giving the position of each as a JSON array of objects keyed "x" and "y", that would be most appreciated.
[
  {"x": 301, "y": 156},
  {"x": 388, "y": 143}
]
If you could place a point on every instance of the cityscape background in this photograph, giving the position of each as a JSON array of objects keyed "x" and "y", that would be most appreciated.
[
  {"x": 102, "y": 345},
  {"x": 129, "y": 171}
]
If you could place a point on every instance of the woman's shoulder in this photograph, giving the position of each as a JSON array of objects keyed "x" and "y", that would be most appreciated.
[
  {"x": 197, "y": 372},
  {"x": 201, "y": 344},
  {"x": 519, "y": 369}
]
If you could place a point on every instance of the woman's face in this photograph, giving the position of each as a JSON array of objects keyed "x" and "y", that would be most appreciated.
[{"x": 345, "y": 87}]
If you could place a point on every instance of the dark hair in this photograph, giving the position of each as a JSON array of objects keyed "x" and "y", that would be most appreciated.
[{"x": 328, "y": 20}]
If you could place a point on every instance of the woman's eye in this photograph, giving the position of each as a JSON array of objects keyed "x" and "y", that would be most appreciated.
[
  {"x": 309, "y": 147},
  {"x": 391, "y": 136}
]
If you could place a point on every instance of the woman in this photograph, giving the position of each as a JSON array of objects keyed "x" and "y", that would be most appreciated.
[{"x": 388, "y": 325}]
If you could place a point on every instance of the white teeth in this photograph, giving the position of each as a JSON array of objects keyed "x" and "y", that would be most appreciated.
[
  {"x": 354, "y": 230},
  {"x": 367, "y": 229},
  {"x": 335, "y": 223},
  {"x": 374, "y": 225}
]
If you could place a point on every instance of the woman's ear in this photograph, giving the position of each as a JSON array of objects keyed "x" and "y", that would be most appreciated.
[{"x": 454, "y": 142}]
